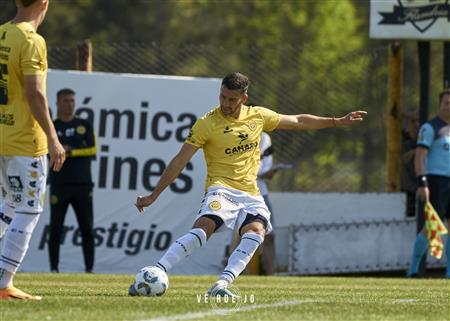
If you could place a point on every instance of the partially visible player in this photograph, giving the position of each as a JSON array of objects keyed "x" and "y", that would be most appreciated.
[
  {"x": 26, "y": 136},
  {"x": 230, "y": 136}
]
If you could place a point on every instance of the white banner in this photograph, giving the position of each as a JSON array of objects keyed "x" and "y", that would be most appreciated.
[
  {"x": 140, "y": 123},
  {"x": 410, "y": 19}
]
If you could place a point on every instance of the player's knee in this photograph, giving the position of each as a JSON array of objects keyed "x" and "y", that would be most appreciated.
[
  {"x": 206, "y": 224},
  {"x": 255, "y": 227}
]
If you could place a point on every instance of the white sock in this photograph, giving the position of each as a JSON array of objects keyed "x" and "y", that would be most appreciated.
[
  {"x": 182, "y": 248},
  {"x": 7, "y": 213},
  {"x": 240, "y": 257},
  {"x": 6, "y": 279},
  {"x": 16, "y": 241}
]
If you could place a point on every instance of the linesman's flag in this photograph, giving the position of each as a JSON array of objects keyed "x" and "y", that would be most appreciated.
[{"x": 435, "y": 228}]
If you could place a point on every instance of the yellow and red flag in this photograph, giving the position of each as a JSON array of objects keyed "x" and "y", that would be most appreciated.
[{"x": 435, "y": 228}]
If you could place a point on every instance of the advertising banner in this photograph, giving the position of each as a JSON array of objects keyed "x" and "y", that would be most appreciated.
[
  {"x": 140, "y": 123},
  {"x": 410, "y": 19}
]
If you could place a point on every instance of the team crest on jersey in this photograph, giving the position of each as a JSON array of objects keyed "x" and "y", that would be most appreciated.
[
  {"x": 215, "y": 205},
  {"x": 251, "y": 125},
  {"x": 81, "y": 130}
]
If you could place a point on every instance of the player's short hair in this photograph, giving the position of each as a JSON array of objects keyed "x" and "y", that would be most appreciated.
[
  {"x": 236, "y": 81},
  {"x": 27, "y": 3},
  {"x": 443, "y": 93},
  {"x": 64, "y": 92}
]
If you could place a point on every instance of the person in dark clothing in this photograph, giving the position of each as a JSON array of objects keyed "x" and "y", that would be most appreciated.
[
  {"x": 73, "y": 184},
  {"x": 408, "y": 173}
]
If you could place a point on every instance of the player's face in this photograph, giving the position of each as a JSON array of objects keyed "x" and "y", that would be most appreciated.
[
  {"x": 66, "y": 105},
  {"x": 231, "y": 101}
]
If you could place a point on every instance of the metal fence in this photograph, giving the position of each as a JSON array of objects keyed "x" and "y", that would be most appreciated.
[{"x": 290, "y": 80}]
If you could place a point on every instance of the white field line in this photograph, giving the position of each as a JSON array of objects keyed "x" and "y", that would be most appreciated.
[
  {"x": 404, "y": 301},
  {"x": 201, "y": 315}
]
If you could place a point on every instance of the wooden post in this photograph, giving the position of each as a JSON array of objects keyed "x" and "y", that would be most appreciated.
[
  {"x": 446, "y": 64},
  {"x": 394, "y": 117},
  {"x": 424, "y": 51},
  {"x": 84, "y": 56}
]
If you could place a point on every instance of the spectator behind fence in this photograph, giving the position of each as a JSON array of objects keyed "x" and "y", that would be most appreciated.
[
  {"x": 408, "y": 174},
  {"x": 432, "y": 166},
  {"x": 73, "y": 184},
  {"x": 27, "y": 135}
]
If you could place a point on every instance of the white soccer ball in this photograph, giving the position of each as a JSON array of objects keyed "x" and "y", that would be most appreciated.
[{"x": 151, "y": 281}]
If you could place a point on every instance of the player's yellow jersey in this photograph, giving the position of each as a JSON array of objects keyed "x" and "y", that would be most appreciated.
[
  {"x": 231, "y": 146},
  {"x": 22, "y": 52}
]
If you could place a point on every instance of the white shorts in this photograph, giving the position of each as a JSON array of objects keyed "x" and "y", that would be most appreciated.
[
  {"x": 23, "y": 182},
  {"x": 232, "y": 206}
]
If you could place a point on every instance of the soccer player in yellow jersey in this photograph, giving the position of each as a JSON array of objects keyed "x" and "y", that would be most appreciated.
[
  {"x": 230, "y": 136},
  {"x": 26, "y": 136}
]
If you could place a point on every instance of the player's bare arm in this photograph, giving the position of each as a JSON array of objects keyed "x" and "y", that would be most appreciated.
[
  {"x": 419, "y": 165},
  {"x": 310, "y": 122},
  {"x": 174, "y": 168},
  {"x": 34, "y": 89}
]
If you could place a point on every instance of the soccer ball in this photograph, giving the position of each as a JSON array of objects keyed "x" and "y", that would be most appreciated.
[{"x": 151, "y": 281}]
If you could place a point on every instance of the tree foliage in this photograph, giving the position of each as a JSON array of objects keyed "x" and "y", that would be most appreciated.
[{"x": 302, "y": 56}]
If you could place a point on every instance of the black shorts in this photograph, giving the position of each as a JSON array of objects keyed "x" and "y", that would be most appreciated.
[{"x": 439, "y": 187}]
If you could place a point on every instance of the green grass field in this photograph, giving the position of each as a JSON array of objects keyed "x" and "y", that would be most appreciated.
[{"x": 104, "y": 297}]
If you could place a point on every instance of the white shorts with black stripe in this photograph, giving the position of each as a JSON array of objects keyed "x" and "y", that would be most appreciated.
[{"x": 232, "y": 206}]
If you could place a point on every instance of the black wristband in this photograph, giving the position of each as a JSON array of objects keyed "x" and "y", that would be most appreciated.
[{"x": 422, "y": 181}]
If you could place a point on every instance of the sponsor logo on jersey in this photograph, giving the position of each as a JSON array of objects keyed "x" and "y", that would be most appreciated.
[
  {"x": 30, "y": 203},
  {"x": 241, "y": 148},
  {"x": 242, "y": 137},
  {"x": 215, "y": 205},
  {"x": 81, "y": 130}
]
